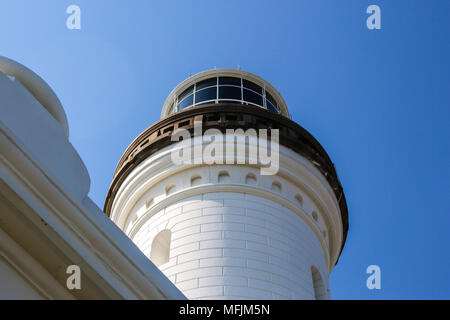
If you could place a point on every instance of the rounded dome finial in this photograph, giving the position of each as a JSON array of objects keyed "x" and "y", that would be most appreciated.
[{"x": 40, "y": 90}]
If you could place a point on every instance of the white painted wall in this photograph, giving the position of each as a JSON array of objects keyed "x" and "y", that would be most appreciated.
[
  {"x": 236, "y": 245},
  {"x": 235, "y": 239},
  {"x": 14, "y": 285},
  {"x": 48, "y": 222},
  {"x": 42, "y": 136}
]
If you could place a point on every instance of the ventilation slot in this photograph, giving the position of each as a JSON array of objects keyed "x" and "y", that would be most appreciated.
[
  {"x": 184, "y": 123},
  {"x": 214, "y": 117},
  {"x": 168, "y": 129},
  {"x": 144, "y": 143}
]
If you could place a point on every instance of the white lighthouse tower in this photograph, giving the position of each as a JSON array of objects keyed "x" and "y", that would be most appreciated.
[{"x": 224, "y": 230}]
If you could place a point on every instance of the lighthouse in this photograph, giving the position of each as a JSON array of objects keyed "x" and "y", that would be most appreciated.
[{"x": 229, "y": 197}]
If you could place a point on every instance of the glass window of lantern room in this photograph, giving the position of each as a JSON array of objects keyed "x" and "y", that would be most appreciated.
[
  {"x": 185, "y": 93},
  {"x": 251, "y": 96},
  {"x": 264, "y": 96},
  {"x": 271, "y": 107},
  {"x": 205, "y": 94},
  {"x": 186, "y": 98},
  {"x": 252, "y": 86},
  {"x": 206, "y": 83},
  {"x": 186, "y": 102},
  {"x": 230, "y": 81},
  {"x": 229, "y": 92},
  {"x": 271, "y": 104}
]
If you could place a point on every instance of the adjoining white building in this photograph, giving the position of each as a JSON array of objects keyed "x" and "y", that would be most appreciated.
[
  {"x": 221, "y": 229},
  {"x": 47, "y": 221}
]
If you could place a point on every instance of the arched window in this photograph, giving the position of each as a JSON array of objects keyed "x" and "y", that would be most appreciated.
[
  {"x": 160, "y": 252},
  {"x": 320, "y": 292}
]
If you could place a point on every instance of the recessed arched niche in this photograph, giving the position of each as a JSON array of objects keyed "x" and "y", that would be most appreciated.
[
  {"x": 250, "y": 179},
  {"x": 276, "y": 186},
  {"x": 224, "y": 177},
  {"x": 196, "y": 180},
  {"x": 299, "y": 199},
  {"x": 320, "y": 292},
  {"x": 160, "y": 251},
  {"x": 170, "y": 189},
  {"x": 315, "y": 216},
  {"x": 149, "y": 202}
]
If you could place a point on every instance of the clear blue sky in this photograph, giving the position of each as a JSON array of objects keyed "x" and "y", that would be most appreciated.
[{"x": 378, "y": 101}]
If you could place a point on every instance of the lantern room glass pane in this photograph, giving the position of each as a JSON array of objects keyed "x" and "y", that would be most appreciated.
[
  {"x": 189, "y": 100},
  {"x": 271, "y": 107},
  {"x": 252, "y": 86},
  {"x": 270, "y": 99},
  {"x": 229, "y": 92},
  {"x": 206, "y": 94},
  {"x": 253, "y": 97},
  {"x": 206, "y": 83},
  {"x": 186, "y": 93},
  {"x": 230, "y": 81}
]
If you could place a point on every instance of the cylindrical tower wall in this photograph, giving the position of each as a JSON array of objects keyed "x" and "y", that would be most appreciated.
[{"x": 227, "y": 232}]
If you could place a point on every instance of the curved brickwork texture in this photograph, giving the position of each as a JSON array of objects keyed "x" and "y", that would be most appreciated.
[{"x": 233, "y": 233}]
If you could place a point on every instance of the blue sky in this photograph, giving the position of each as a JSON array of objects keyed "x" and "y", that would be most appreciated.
[{"x": 377, "y": 100}]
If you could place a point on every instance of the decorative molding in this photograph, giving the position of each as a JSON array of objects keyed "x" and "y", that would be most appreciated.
[{"x": 113, "y": 266}]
